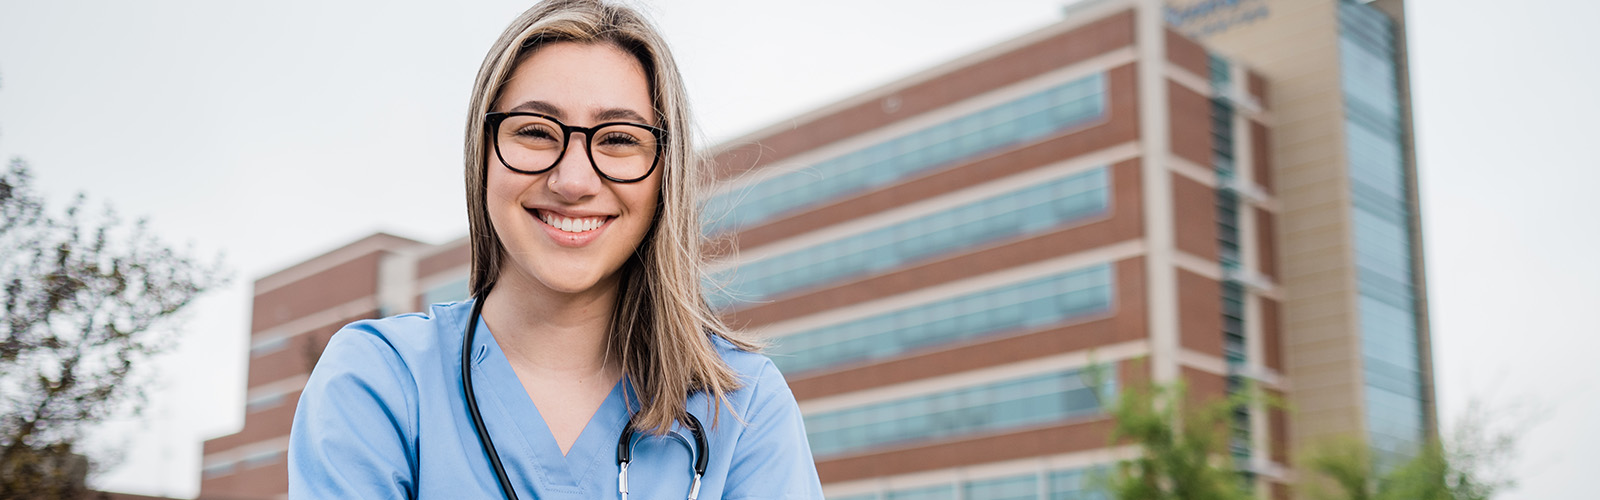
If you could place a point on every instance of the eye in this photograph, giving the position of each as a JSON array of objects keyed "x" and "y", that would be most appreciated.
[
  {"x": 541, "y": 132},
  {"x": 619, "y": 139}
]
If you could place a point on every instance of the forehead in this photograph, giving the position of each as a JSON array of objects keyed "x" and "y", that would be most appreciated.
[{"x": 580, "y": 81}]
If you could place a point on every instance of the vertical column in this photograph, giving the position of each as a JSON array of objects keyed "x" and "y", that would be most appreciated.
[
  {"x": 1161, "y": 277},
  {"x": 397, "y": 282}
]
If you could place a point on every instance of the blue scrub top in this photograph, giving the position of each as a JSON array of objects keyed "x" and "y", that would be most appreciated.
[{"x": 383, "y": 416}]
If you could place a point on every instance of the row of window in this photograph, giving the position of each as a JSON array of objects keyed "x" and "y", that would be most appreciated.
[
  {"x": 1024, "y": 119},
  {"x": 259, "y": 403},
  {"x": 1222, "y": 156},
  {"x": 1381, "y": 223},
  {"x": 996, "y": 406},
  {"x": 251, "y": 461},
  {"x": 1007, "y": 308},
  {"x": 446, "y": 292},
  {"x": 1233, "y": 335},
  {"x": 1235, "y": 349},
  {"x": 1065, "y": 484},
  {"x": 1229, "y": 251},
  {"x": 268, "y": 347},
  {"x": 1382, "y": 246},
  {"x": 1029, "y": 210}
]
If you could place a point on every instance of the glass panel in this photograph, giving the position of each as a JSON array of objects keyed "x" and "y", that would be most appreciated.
[
  {"x": 1381, "y": 216},
  {"x": 1001, "y": 405},
  {"x": 1012, "y": 214},
  {"x": 1077, "y": 484},
  {"x": 1005, "y": 488},
  {"x": 1043, "y": 301},
  {"x": 447, "y": 292},
  {"x": 1025, "y": 119},
  {"x": 941, "y": 492}
]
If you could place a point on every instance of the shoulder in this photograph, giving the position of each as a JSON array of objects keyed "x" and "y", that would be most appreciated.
[
  {"x": 409, "y": 339},
  {"x": 381, "y": 359},
  {"x": 751, "y": 366},
  {"x": 771, "y": 457},
  {"x": 393, "y": 353},
  {"x": 760, "y": 380}
]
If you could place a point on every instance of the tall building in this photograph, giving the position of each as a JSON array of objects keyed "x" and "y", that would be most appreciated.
[
  {"x": 1356, "y": 308},
  {"x": 293, "y": 313},
  {"x": 959, "y": 267}
]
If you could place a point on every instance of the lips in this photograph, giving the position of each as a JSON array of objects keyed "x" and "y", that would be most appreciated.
[
  {"x": 572, "y": 223},
  {"x": 572, "y": 229}
]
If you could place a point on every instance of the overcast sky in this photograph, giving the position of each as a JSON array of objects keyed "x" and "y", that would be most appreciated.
[{"x": 275, "y": 131}]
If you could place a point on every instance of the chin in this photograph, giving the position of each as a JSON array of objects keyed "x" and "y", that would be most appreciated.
[{"x": 571, "y": 279}]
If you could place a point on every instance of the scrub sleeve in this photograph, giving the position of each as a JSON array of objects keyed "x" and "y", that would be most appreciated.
[{"x": 353, "y": 426}]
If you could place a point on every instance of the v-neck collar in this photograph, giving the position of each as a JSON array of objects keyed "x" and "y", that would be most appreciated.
[{"x": 527, "y": 448}]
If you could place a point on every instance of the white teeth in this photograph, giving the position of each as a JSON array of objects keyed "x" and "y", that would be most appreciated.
[{"x": 572, "y": 225}]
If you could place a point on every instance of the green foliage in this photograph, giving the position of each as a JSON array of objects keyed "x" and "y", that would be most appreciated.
[
  {"x": 1347, "y": 464},
  {"x": 85, "y": 303},
  {"x": 1469, "y": 465},
  {"x": 1183, "y": 448}
]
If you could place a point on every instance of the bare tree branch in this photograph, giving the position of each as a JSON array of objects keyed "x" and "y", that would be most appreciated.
[{"x": 86, "y": 302}]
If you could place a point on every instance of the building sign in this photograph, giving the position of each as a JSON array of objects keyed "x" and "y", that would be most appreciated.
[{"x": 1201, "y": 18}]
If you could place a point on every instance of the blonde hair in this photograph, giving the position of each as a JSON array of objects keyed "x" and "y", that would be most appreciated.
[{"x": 661, "y": 325}]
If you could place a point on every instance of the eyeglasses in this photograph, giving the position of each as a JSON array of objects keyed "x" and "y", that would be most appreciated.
[{"x": 532, "y": 143}]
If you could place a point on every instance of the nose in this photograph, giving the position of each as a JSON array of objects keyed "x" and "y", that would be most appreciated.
[{"x": 574, "y": 177}]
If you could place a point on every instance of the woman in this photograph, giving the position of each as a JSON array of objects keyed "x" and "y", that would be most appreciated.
[{"x": 587, "y": 309}]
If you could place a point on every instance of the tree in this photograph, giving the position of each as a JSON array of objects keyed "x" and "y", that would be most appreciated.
[
  {"x": 1470, "y": 464},
  {"x": 86, "y": 302},
  {"x": 1183, "y": 445}
]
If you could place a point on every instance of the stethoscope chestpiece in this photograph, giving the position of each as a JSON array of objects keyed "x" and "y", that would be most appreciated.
[{"x": 702, "y": 455}]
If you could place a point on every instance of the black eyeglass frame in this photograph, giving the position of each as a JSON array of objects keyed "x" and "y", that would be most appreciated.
[{"x": 494, "y": 119}]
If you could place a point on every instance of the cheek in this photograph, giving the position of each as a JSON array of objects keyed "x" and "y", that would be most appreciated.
[
  {"x": 502, "y": 189},
  {"x": 644, "y": 200},
  {"x": 501, "y": 192}
]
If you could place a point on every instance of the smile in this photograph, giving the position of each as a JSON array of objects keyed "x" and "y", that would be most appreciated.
[
  {"x": 572, "y": 224},
  {"x": 572, "y": 232}
]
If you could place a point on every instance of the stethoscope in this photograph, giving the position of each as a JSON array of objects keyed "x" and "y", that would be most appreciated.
[{"x": 624, "y": 443}]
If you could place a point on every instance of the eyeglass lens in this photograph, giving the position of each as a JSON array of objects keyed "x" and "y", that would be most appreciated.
[{"x": 533, "y": 143}]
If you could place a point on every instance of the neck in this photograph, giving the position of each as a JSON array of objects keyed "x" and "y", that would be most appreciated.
[{"x": 554, "y": 333}]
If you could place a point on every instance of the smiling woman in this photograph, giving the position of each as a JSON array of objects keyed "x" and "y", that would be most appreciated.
[{"x": 587, "y": 322}]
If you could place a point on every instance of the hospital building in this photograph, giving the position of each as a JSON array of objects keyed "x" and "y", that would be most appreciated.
[{"x": 1218, "y": 192}]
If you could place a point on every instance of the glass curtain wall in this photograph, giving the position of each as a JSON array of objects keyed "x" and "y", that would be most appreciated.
[{"x": 1381, "y": 216}]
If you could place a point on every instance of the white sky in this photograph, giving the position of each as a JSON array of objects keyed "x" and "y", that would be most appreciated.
[{"x": 274, "y": 131}]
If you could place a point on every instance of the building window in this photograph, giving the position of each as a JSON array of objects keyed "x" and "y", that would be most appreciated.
[
  {"x": 1005, "y": 488},
  {"x": 259, "y": 403},
  {"x": 996, "y": 406},
  {"x": 1233, "y": 343},
  {"x": 1078, "y": 484},
  {"x": 219, "y": 468},
  {"x": 1009, "y": 308},
  {"x": 1030, "y": 210},
  {"x": 260, "y": 458},
  {"x": 1064, "y": 484},
  {"x": 448, "y": 292},
  {"x": 941, "y": 492},
  {"x": 1381, "y": 216},
  {"x": 1028, "y": 118},
  {"x": 1228, "y": 243},
  {"x": 268, "y": 346}
]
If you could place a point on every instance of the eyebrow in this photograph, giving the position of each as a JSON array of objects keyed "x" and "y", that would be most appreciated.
[{"x": 605, "y": 115}]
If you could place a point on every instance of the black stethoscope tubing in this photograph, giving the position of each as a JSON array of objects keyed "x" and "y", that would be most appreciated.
[{"x": 624, "y": 442}]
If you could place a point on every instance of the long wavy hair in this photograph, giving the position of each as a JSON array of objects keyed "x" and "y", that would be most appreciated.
[{"x": 661, "y": 324}]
